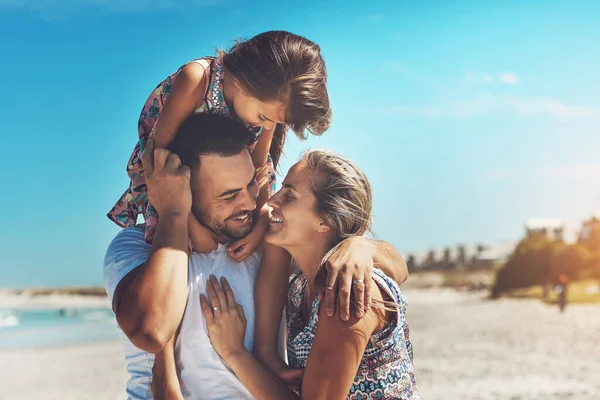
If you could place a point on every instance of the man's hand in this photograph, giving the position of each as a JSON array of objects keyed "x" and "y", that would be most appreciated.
[
  {"x": 167, "y": 181},
  {"x": 350, "y": 267}
]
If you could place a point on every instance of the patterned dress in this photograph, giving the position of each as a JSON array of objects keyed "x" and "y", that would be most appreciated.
[
  {"x": 135, "y": 199},
  {"x": 386, "y": 369}
]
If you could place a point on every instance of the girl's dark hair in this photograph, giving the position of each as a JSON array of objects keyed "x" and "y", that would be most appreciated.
[{"x": 281, "y": 66}]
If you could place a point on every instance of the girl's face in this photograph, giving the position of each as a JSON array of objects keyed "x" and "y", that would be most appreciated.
[
  {"x": 293, "y": 219},
  {"x": 254, "y": 112}
]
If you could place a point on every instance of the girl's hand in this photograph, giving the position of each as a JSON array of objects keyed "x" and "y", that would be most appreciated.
[
  {"x": 350, "y": 267},
  {"x": 202, "y": 238},
  {"x": 225, "y": 318},
  {"x": 246, "y": 246}
]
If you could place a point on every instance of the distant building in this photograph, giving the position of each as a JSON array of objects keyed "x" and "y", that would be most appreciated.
[
  {"x": 461, "y": 256},
  {"x": 589, "y": 228},
  {"x": 552, "y": 228}
]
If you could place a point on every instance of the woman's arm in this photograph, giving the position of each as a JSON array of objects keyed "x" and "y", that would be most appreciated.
[
  {"x": 337, "y": 351},
  {"x": 332, "y": 364},
  {"x": 226, "y": 324},
  {"x": 270, "y": 292},
  {"x": 165, "y": 383}
]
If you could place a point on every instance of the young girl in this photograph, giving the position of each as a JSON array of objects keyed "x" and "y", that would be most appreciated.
[{"x": 274, "y": 81}]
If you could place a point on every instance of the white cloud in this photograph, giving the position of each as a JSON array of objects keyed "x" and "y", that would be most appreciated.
[
  {"x": 510, "y": 78},
  {"x": 123, "y": 6},
  {"x": 588, "y": 172},
  {"x": 474, "y": 78},
  {"x": 485, "y": 102},
  {"x": 548, "y": 106},
  {"x": 481, "y": 103}
]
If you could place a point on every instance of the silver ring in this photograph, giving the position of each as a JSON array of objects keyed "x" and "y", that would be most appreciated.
[
  {"x": 358, "y": 281},
  {"x": 216, "y": 308}
]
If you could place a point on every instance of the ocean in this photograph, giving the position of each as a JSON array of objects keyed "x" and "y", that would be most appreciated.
[{"x": 31, "y": 328}]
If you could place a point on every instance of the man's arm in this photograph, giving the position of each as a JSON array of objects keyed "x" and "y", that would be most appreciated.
[
  {"x": 349, "y": 269},
  {"x": 149, "y": 302},
  {"x": 390, "y": 261}
]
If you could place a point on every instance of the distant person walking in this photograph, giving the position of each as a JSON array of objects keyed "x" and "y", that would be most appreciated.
[{"x": 561, "y": 288}]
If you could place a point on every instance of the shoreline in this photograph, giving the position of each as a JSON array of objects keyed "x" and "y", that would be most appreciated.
[{"x": 68, "y": 298}]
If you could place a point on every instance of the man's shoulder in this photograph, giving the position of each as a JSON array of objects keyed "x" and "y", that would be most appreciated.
[
  {"x": 127, "y": 251},
  {"x": 127, "y": 237}
]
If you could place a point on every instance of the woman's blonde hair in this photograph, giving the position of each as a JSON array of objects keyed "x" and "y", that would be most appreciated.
[
  {"x": 343, "y": 197},
  {"x": 344, "y": 200}
]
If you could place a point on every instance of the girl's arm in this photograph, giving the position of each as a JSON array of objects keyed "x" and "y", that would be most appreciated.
[
  {"x": 243, "y": 248},
  {"x": 260, "y": 152},
  {"x": 186, "y": 94}
]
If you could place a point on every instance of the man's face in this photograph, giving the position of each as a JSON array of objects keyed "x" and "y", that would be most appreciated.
[{"x": 224, "y": 192}]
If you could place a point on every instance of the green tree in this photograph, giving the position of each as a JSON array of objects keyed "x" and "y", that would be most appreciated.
[{"x": 533, "y": 262}]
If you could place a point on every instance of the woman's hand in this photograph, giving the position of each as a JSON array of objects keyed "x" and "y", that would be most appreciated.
[
  {"x": 350, "y": 267},
  {"x": 225, "y": 319}
]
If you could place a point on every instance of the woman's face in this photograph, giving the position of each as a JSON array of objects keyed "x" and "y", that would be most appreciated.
[{"x": 293, "y": 219}]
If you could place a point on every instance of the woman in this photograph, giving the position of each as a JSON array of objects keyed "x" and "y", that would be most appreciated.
[{"x": 324, "y": 199}]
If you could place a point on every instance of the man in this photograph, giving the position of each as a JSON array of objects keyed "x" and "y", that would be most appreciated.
[
  {"x": 208, "y": 171},
  {"x": 149, "y": 297}
]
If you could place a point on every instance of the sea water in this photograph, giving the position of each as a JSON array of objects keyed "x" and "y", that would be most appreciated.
[{"x": 21, "y": 328}]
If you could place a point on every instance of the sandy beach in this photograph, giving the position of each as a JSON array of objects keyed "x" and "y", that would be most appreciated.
[
  {"x": 466, "y": 348},
  {"x": 82, "y": 372}
]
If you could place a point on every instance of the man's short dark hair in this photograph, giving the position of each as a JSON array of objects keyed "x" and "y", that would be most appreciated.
[{"x": 203, "y": 134}]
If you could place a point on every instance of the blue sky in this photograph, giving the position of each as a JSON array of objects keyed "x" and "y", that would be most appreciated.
[{"x": 469, "y": 117}]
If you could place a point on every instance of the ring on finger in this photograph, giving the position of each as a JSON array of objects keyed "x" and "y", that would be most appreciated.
[
  {"x": 358, "y": 281},
  {"x": 216, "y": 308}
]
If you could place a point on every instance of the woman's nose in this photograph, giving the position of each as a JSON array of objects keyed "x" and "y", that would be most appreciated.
[{"x": 273, "y": 201}]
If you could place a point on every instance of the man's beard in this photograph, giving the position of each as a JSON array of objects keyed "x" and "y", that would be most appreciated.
[{"x": 224, "y": 230}]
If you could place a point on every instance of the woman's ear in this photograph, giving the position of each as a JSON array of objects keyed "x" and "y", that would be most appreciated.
[{"x": 323, "y": 227}]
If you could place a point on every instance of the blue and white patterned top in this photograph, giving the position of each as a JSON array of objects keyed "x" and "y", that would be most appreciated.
[{"x": 386, "y": 370}]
